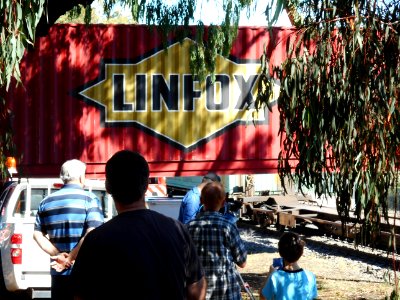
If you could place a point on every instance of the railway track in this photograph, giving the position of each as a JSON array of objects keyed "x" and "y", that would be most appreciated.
[
  {"x": 330, "y": 244},
  {"x": 319, "y": 225}
]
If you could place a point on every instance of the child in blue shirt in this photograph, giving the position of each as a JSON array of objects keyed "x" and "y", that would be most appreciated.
[{"x": 290, "y": 281}]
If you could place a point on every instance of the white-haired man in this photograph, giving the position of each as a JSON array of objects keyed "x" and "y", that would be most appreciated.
[{"x": 62, "y": 221}]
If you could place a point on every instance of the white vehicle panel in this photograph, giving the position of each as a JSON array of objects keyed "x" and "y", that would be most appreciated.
[{"x": 18, "y": 213}]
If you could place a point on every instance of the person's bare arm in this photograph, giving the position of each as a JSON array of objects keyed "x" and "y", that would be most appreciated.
[
  {"x": 60, "y": 259},
  {"x": 44, "y": 243},
  {"x": 197, "y": 290},
  {"x": 64, "y": 261}
]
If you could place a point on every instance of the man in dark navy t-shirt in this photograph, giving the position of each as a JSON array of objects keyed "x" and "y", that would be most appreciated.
[{"x": 140, "y": 253}]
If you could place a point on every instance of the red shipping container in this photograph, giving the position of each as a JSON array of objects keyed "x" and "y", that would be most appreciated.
[{"x": 88, "y": 92}]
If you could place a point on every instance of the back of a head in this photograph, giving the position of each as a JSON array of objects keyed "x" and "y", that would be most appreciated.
[
  {"x": 127, "y": 176},
  {"x": 211, "y": 176},
  {"x": 213, "y": 195},
  {"x": 72, "y": 170},
  {"x": 291, "y": 246}
]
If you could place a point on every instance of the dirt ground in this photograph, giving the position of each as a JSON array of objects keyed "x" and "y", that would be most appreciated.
[{"x": 335, "y": 279}]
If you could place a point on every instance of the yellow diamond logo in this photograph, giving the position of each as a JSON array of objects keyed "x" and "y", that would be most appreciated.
[{"x": 160, "y": 95}]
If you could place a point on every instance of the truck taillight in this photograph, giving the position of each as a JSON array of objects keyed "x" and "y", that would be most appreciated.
[
  {"x": 16, "y": 250},
  {"x": 16, "y": 238},
  {"x": 16, "y": 256}
]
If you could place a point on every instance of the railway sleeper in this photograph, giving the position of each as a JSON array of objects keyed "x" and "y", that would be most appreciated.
[{"x": 327, "y": 226}]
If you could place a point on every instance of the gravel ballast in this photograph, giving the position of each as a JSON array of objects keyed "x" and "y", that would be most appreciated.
[{"x": 343, "y": 271}]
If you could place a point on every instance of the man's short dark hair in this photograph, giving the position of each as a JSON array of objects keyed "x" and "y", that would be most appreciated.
[
  {"x": 212, "y": 176},
  {"x": 127, "y": 176}
]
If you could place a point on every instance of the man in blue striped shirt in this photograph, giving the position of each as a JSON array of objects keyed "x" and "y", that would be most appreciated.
[{"x": 62, "y": 221}]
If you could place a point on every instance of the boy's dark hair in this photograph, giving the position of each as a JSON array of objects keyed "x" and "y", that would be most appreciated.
[
  {"x": 127, "y": 176},
  {"x": 291, "y": 247},
  {"x": 212, "y": 195}
]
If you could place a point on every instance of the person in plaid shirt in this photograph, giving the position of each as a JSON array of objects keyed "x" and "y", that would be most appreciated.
[{"x": 218, "y": 244}]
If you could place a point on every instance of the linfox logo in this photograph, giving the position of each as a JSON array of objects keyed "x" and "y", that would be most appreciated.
[{"x": 160, "y": 95}]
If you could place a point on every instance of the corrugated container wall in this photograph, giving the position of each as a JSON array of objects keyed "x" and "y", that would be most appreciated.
[{"x": 88, "y": 92}]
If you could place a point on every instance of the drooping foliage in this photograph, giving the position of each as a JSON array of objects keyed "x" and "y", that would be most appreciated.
[
  {"x": 217, "y": 40},
  {"x": 339, "y": 104},
  {"x": 21, "y": 22},
  {"x": 17, "y": 30}
]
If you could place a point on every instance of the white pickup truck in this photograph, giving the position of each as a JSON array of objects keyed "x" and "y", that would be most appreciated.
[{"x": 24, "y": 266}]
